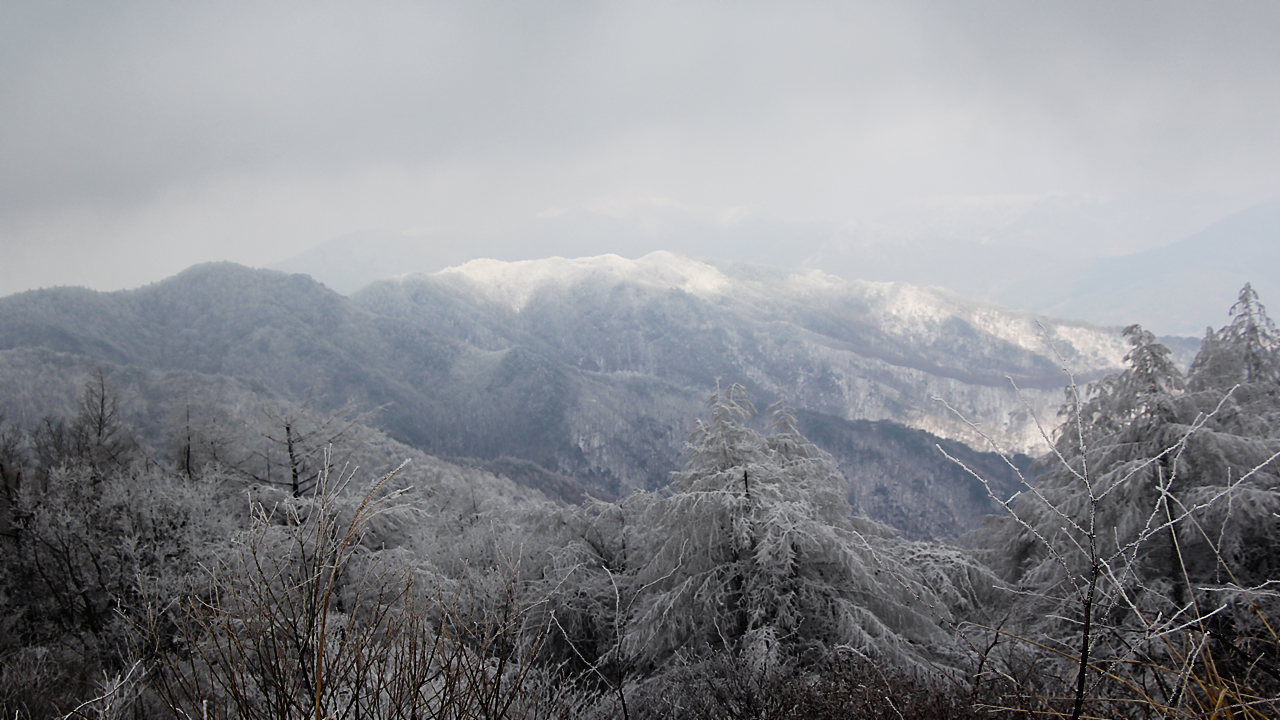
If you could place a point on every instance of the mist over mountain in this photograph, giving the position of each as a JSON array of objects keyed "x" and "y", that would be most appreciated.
[
  {"x": 1053, "y": 255},
  {"x": 350, "y": 262},
  {"x": 1182, "y": 287},
  {"x": 855, "y": 350},
  {"x": 581, "y": 376}
]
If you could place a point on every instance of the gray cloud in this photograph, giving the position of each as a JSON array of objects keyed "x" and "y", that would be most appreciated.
[{"x": 142, "y": 137}]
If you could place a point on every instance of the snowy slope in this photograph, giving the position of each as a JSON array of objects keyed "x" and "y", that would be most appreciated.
[{"x": 856, "y": 350}]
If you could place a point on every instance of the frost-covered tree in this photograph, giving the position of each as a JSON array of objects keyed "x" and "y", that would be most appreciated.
[
  {"x": 1091, "y": 539},
  {"x": 1156, "y": 512},
  {"x": 1246, "y": 351},
  {"x": 13, "y": 465},
  {"x": 752, "y": 551},
  {"x": 91, "y": 554},
  {"x": 750, "y": 545},
  {"x": 1107, "y": 449}
]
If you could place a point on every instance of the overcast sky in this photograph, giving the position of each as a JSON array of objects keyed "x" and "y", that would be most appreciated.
[{"x": 139, "y": 138}]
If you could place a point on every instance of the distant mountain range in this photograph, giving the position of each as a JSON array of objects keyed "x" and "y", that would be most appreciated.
[
  {"x": 1039, "y": 254},
  {"x": 580, "y": 376},
  {"x": 1184, "y": 287}
]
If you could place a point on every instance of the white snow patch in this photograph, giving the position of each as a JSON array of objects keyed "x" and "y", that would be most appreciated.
[
  {"x": 515, "y": 283},
  {"x": 918, "y": 313}
]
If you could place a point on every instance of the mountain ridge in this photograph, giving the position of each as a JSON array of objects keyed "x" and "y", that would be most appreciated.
[
  {"x": 595, "y": 377},
  {"x": 1018, "y": 252},
  {"x": 767, "y": 319}
]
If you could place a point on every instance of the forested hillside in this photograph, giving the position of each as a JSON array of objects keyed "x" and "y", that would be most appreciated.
[
  {"x": 276, "y": 561},
  {"x": 590, "y": 370},
  {"x": 256, "y": 521},
  {"x": 853, "y": 350}
]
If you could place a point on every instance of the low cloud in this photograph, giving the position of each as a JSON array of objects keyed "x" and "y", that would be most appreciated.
[{"x": 145, "y": 137}]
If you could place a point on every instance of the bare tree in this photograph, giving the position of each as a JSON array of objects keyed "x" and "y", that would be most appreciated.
[
  {"x": 299, "y": 444},
  {"x": 96, "y": 437}
]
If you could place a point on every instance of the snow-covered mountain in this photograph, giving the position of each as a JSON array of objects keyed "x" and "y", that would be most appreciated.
[
  {"x": 856, "y": 350},
  {"x": 1058, "y": 255},
  {"x": 585, "y": 375}
]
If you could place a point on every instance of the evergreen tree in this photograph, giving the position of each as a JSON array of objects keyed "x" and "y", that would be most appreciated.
[
  {"x": 752, "y": 552},
  {"x": 1243, "y": 352},
  {"x": 743, "y": 541},
  {"x": 1156, "y": 512}
]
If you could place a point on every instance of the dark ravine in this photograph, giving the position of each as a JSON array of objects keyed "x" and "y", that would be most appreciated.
[{"x": 901, "y": 477}]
